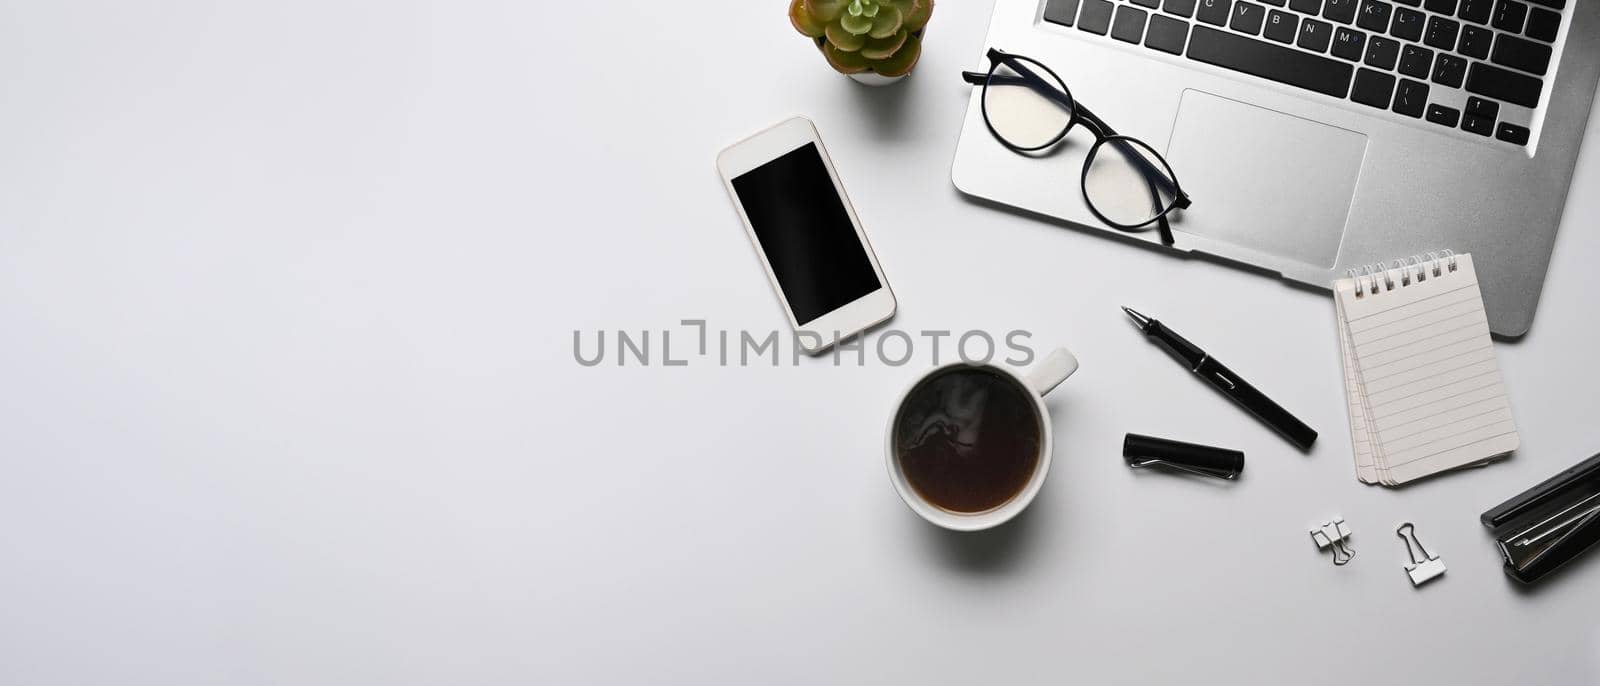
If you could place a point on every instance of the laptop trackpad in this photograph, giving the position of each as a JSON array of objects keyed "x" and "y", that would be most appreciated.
[{"x": 1264, "y": 180}]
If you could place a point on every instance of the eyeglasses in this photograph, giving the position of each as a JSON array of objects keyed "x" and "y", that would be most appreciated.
[{"x": 1126, "y": 183}]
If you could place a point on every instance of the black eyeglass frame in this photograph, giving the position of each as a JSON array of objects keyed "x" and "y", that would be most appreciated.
[{"x": 1102, "y": 132}]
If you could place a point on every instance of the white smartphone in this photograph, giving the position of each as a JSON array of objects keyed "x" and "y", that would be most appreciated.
[{"x": 806, "y": 233}]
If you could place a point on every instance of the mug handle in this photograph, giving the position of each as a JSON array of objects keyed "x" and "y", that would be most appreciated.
[{"x": 1054, "y": 369}]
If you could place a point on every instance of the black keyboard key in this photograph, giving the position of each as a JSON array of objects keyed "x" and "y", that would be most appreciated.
[
  {"x": 1521, "y": 53},
  {"x": 1096, "y": 16},
  {"x": 1284, "y": 65},
  {"x": 1213, "y": 12},
  {"x": 1152, "y": 4},
  {"x": 1382, "y": 52},
  {"x": 1416, "y": 60},
  {"x": 1476, "y": 10},
  {"x": 1275, "y": 3},
  {"x": 1281, "y": 26},
  {"x": 1311, "y": 7},
  {"x": 1182, "y": 8},
  {"x": 1508, "y": 15},
  {"x": 1473, "y": 123},
  {"x": 1375, "y": 16},
  {"x": 1500, "y": 84},
  {"x": 1348, "y": 44},
  {"x": 1407, "y": 24},
  {"x": 1475, "y": 42},
  {"x": 1444, "y": 7},
  {"x": 1478, "y": 107},
  {"x": 1413, "y": 3},
  {"x": 1342, "y": 11},
  {"x": 1061, "y": 11},
  {"x": 1443, "y": 116},
  {"x": 1128, "y": 26},
  {"x": 1315, "y": 35},
  {"x": 1410, "y": 98},
  {"x": 1543, "y": 24},
  {"x": 1247, "y": 18},
  {"x": 1372, "y": 88},
  {"x": 1167, "y": 34},
  {"x": 1449, "y": 70},
  {"x": 1552, "y": 4},
  {"x": 1511, "y": 133},
  {"x": 1441, "y": 33}
]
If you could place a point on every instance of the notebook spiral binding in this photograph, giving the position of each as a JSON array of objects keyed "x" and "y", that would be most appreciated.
[{"x": 1376, "y": 277}]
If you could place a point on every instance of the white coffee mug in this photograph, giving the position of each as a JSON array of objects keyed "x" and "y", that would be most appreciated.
[{"x": 1043, "y": 378}]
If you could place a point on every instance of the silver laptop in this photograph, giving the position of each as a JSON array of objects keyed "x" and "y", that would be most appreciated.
[{"x": 1314, "y": 136}]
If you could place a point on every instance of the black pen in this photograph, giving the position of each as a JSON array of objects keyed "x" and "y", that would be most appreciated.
[{"x": 1226, "y": 381}]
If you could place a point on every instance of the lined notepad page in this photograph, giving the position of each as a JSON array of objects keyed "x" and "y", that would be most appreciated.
[
  {"x": 1423, "y": 382},
  {"x": 1366, "y": 470}
]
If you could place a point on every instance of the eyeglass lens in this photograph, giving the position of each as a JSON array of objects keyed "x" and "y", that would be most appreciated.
[
  {"x": 1019, "y": 112},
  {"x": 1127, "y": 182}
]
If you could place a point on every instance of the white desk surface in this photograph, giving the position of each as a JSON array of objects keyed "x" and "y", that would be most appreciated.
[{"x": 288, "y": 396}]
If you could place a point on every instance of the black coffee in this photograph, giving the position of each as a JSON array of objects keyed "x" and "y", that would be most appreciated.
[{"x": 967, "y": 438}]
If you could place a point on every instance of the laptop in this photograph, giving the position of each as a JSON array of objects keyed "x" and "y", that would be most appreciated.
[{"x": 1316, "y": 136}]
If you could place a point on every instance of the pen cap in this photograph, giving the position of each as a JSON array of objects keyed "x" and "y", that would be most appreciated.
[{"x": 1143, "y": 451}]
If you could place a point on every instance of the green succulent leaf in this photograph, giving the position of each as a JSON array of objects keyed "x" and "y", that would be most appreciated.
[
  {"x": 887, "y": 23},
  {"x": 855, "y": 24},
  {"x": 804, "y": 21},
  {"x": 844, "y": 40},
  {"x": 902, "y": 5},
  {"x": 900, "y": 63},
  {"x": 857, "y": 8},
  {"x": 844, "y": 62},
  {"x": 882, "y": 48},
  {"x": 919, "y": 14},
  {"x": 826, "y": 10}
]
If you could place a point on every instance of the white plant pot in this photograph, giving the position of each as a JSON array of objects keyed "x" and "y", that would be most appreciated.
[{"x": 871, "y": 78}]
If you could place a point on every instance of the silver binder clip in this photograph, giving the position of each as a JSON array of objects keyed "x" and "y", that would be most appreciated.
[
  {"x": 1423, "y": 567},
  {"x": 1334, "y": 535}
]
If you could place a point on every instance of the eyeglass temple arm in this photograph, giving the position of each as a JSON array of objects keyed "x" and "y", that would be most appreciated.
[{"x": 1025, "y": 76}]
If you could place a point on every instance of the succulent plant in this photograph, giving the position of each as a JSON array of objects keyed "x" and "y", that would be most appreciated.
[{"x": 882, "y": 36}]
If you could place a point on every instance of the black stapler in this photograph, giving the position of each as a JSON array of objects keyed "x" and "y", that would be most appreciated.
[{"x": 1549, "y": 524}]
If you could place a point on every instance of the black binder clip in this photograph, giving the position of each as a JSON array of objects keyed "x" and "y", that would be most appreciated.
[
  {"x": 1547, "y": 525},
  {"x": 1146, "y": 451}
]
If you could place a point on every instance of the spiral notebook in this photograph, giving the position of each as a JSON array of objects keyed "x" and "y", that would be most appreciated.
[{"x": 1424, "y": 386}]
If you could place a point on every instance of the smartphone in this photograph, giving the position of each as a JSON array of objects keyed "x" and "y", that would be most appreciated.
[{"x": 806, "y": 233}]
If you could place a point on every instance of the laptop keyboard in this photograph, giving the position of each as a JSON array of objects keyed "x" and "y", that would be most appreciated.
[{"x": 1417, "y": 58}]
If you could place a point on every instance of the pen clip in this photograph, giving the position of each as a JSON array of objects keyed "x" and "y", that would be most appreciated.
[{"x": 1217, "y": 472}]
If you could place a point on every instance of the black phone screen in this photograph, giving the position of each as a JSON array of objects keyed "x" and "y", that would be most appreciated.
[{"x": 802, "y": 227}]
